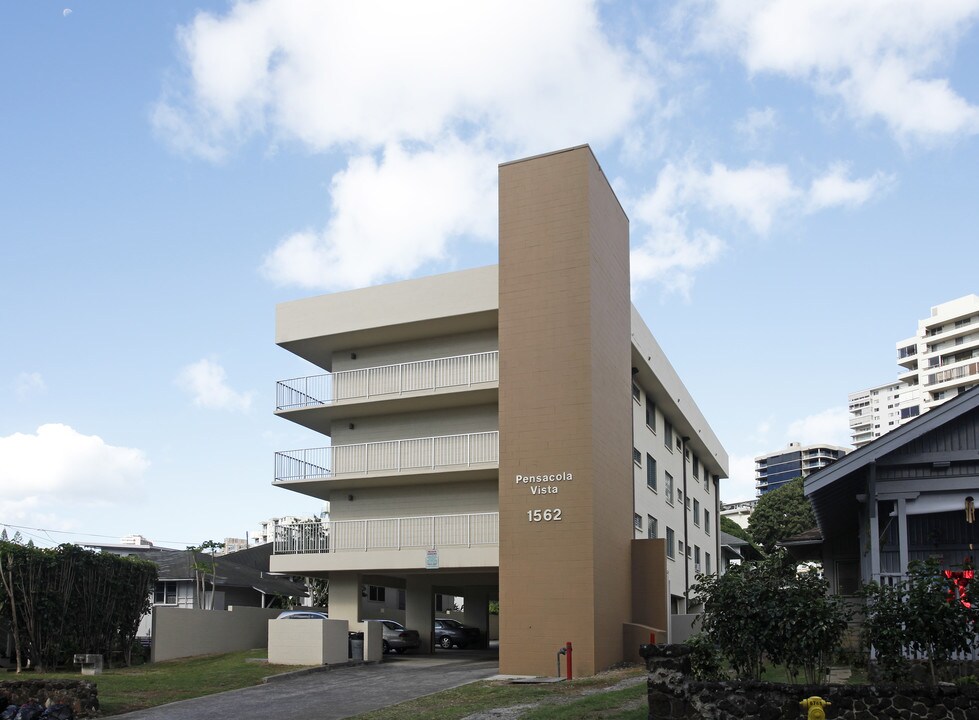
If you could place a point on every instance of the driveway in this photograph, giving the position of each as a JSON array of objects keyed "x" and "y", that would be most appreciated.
[{"x": 337, "y": 693}]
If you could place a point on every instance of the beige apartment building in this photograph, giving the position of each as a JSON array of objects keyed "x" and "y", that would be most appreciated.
[{"x": 510, "y": 433}]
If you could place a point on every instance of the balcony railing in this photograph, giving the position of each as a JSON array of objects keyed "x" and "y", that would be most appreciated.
[
  {"x": 388, "y": 380},
  {"x": 429, "y": 531},
  {"x": 443, "y": 452},
  {"x": 953, "y": 374}
]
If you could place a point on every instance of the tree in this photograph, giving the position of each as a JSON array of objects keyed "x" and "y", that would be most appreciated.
[
  {"x": 205, "y": 569},
  {"x": 780, "y": 514},
  {"x": 732, "y": 528}
]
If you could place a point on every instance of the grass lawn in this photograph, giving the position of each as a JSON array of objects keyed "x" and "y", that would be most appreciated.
[
  {"x": 593, "y": 698},
  {"x": 125, "y": 689},
  {"x": 585, "y": 699}
]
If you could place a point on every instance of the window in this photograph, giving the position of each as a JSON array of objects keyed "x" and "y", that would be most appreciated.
[
  {"x": 679, "y": 443},
  {"x": 637, "y": 457},
  {"x": 650, "y": 413},
  {"x": 679, "y": 495},
  {"x": 679, "y": 546},
  {"x": 668, "y": 435},
  {"x": 706, "y": 482},
  {"x": 707, "y": 563},
  {"x": 651, "y": 527},
  {"x": 707, "y": 521},
  {"x": 696, "y": 468},
  {"x": 165, "y": 592},
  {"x": 696, "y": 554},
  {"x": 696, "y": 512},
  {"x": 651, "y": 472},
  {"x": 636, "y": 392},
  {"x": 637, "y": 521},
  {"x": 670, "y": 542},
  {"x": 375, "y": 593},
  {"x": 668, "y": 487}
]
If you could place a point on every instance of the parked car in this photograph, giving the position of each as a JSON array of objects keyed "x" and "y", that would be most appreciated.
[
  {"x": 302, "y": 615},
  {"x": 449, "y": 632},
  {"x": 397, "y": 637}
]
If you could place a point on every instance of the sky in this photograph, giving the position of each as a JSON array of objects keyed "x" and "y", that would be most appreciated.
[{"x": 800, "y": 179}]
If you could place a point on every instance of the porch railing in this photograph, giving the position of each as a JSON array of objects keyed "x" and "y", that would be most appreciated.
[
  {"x": 443, "y": 452},
  {"x": 428, "y": 531},
  {"x": 388, "y": 380}
]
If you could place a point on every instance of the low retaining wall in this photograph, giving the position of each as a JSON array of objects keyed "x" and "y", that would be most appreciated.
[
  {"x": 673, "y": 695},
  {"x": 80, "y": 695},
  {"x": 185, "y": 632}
]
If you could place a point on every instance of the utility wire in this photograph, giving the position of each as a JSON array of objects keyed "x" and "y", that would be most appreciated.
[{"x": 81, "y": 534}]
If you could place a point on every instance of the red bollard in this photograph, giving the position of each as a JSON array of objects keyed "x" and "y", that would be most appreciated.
[{"x": 568, "y": 648}]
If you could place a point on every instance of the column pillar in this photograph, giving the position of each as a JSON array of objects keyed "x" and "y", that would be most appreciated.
[
  {"x": 420, "y": 610},
  {"x": 345, "y": 597},
  {"x": 476, "y": 612}
]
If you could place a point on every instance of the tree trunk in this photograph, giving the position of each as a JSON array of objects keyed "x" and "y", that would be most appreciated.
[{"x": 8, "y": 585}]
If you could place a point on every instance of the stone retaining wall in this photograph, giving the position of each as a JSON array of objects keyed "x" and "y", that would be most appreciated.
[
  {"x": 82, "y": 696},
  {"x": 673, "y": 695}
]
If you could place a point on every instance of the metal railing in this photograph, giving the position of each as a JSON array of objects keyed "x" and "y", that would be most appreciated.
[
  {"x": 428, "y": 531},
  {"x": 388, "y": 380},
  {"x": 441, "y": 452}
]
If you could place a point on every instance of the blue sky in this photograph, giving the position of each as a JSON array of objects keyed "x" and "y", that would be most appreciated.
[{"x": 800, "y": 178}]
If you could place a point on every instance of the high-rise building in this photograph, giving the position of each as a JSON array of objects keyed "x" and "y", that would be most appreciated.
[
  {"x": 510, "y": 433},
  {"x": 774, "y": 469},
  {"x": 936, "y": 364}
]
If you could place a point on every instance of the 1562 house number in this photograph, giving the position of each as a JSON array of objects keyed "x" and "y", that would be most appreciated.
[{"x": 544, "y": 515}]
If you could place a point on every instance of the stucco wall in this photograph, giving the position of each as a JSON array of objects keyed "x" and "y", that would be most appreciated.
[{"x": 182, "y": 632}]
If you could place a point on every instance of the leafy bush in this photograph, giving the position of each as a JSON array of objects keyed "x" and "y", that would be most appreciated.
[
  {"x": 920, "y": 614},
  {"x": 768, "y": 611},
  {"x": 706, "y": 661}
]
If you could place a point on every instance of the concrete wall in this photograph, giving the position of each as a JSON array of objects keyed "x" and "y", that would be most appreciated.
[
  {"x": 565, "y": 407},
  {"x": 682, "y": 627},
  {"x": 422, "y": 349},
  {"x": 476, "y": 496},
  {"x": 179, "y": 632},
  {"x": 307, "y": 642}
]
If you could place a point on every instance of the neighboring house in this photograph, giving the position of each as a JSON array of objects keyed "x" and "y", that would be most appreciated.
[
  {"x": 735, "y": 550},
  {"x": 908, "y": 495},
  {"x": 239, "y": 580}
]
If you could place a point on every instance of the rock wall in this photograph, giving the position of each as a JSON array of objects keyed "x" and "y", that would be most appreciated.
[
  {"x": 673, "y": 695},
  {"x": 80, "y": 695}
]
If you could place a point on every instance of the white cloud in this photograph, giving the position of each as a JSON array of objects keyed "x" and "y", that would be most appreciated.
[
  {"x": 372, "y": 73},
  {"x": 756, "y": 123},
  {"x": 881, "y": 58},
  {"x": 835, "y": 188},
  {"x": 828, "y": 426},
  {"x": 28, "y": 384},
  {"x": 392, "y": 216},
  {"x": 670, "y": 217},
  {"x": 413, "y": 92},
  {"x": 206, "y": 381},
  {"x": 58, "y": 464}
]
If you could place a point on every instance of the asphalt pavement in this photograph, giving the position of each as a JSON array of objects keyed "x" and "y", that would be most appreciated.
[{"x": 339, "y": 692}]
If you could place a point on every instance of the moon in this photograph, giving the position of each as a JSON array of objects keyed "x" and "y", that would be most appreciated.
[{"x": 66, "y": 12}]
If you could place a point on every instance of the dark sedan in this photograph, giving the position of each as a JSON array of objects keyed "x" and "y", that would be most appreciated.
[{"x": 449, "y": 633}]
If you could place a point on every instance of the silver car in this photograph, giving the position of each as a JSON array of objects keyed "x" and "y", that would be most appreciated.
[{"x": 396, "y": 637}]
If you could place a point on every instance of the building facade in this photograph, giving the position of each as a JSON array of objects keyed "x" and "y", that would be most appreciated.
[
  {"x": 775, "y": 469},
  {"x": 481, "y": 425},
  {"x": 938, "y": 363}
]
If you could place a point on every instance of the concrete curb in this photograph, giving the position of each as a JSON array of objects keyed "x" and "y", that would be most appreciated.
[{"x": 312, "y": 670}]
